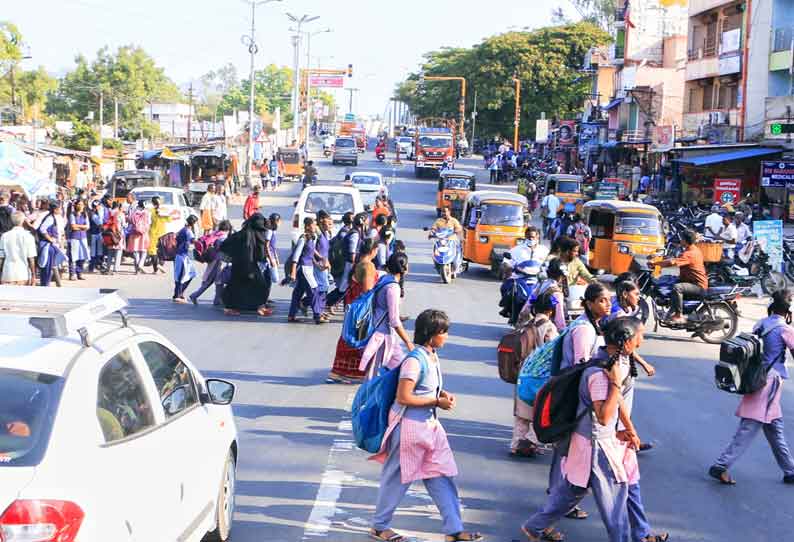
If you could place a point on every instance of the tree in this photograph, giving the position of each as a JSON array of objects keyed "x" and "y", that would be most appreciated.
[
  {"x": 213, "y": 85},
  {"x": 547, "y": 61},
  {"x": 273, "y": 88},
  {"x": 83, "y": 137},
  {"x": 34, "y": 87},
  {"x": 10, "y": 45},
  {"x": 129, "y": 75},
  {"x": 598, "y": 12}
]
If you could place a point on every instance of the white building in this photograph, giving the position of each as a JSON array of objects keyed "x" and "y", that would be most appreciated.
[{"x": 173, "y": 119}]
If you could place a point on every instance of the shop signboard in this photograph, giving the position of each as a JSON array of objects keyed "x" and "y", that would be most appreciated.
[
  {"x": 542, "y": 131},
  {"x": 566, "y": 132},
  {"x": 777, "y": 174},
  {"x": 727, "y": 191},
  {"x": 769, "y": 236},
  {"x": 327, "y": 81},
  {"x": 608, "y": 190}
]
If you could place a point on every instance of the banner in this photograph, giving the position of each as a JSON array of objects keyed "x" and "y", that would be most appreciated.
[
  {"x": 663, "y": 139},
  {"x": 727, "y": 191},
  {"x": 327, "y": 81},
  {"x": 542, "y": 131},
  {"x": 567, "y": 131},
  {"x": 17, "y": 170},
  {"x": 777, "y": 174},
  {"x": 769, "y": 236}
]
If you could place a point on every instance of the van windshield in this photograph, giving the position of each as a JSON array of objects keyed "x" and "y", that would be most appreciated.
[
  {"x": 435, "y": 142},
  {"x": 28, "y": 402},
  {"x": 637, "y": 224},
  {"x": 501, "y": 214}
]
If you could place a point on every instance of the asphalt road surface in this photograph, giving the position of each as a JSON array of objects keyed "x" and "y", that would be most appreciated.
[{"x": 301, "y": 478}]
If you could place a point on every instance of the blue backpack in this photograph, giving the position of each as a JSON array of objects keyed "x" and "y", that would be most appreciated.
[
  {"x": 359, "y": 324},
  {"x": 542, "y": 364},
  {"x": 374, "y": 399}
]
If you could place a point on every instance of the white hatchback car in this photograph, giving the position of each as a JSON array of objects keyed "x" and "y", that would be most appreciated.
[
  {"x": 107, "y": 431},
  {"x": 370, "y": 184},
  {"x": 172, "y": 203},
  {"x": 336, "y": 200}
]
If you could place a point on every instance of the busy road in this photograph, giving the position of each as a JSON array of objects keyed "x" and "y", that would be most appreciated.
[{"x": 300, "y": 477}]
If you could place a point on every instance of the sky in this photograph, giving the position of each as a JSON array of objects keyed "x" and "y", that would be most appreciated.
[{"x": 384, "y": 41}]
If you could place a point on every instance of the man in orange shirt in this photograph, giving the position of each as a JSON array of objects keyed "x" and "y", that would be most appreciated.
[
  {"x": 692, "y": 281},
  {"x": 251, "y": 203},
  {"x": 381, "y": 208}
]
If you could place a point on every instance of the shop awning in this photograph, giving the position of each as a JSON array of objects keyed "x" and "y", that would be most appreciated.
[
  {"x": 729, "y": 156},
  {"x": 613, "y": 104}
]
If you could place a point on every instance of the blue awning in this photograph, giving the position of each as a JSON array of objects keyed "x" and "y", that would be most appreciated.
[
  {"x": 614, "y": 103},
  {"x": 729, "y": 156},
  {"x": 150, "y": 155}
]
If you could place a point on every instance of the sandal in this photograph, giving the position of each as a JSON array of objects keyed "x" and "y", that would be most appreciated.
[
  {"x": 577, "y": 513},
  {"x": 463, "y": 536},
  {"x": 264, "y": 312},
  {"x": 664, "y": 537},
  {"x": 721, "y": 475},
  {"x": 550, "y": 534},
  {"x": 386, "y": 536}
]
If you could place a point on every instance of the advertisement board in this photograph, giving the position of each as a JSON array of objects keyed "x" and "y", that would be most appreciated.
[
  {"x": 327, "y": 81},
  {"x": 777, "y": 174},
  {"x": 663, "y": 139},
  {"x": 566, "y": 133},
  {"x": 607, "y": 190},
  {"x": 542, "y": 131},
  {"x": 727, "y": 191},
  {"x": 769, "y": 236}
]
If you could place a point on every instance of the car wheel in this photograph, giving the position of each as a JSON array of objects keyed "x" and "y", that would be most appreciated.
[{"x": 224, "y": 510}]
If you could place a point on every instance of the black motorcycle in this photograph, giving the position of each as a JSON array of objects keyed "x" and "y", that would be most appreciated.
[
  {"x": 756, "y": 270},
  {"x": 714, "y": 317}
]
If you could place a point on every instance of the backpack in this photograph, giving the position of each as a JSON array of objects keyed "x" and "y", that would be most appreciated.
[
  {"x": 336, "y": 255},
  {"x": 110, "y": 235},
  {"x": 542, "y": 364},
  {"x": 359, "y": 325},
  {"x": 373, "y": 401},
  {"x": 138, "y": 224},
  {"x": 740, "y": 368},
  {"x": 166, "y": 247},
  {"x": 513, "y": 349},
  {"x": 556, "y": 415},
  {"x": 204, "y": 248}
]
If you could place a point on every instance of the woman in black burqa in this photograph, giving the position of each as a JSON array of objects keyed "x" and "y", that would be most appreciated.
[{"x": 249, "y": 285}]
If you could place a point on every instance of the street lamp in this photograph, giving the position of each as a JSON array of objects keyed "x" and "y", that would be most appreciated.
[
  {"x": 299, "y": 21},
  {"x": 309, "y": 36},
  {"x": 250, "y": 42}
]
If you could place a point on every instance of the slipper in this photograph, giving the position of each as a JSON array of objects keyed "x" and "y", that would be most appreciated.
[
  {"x": 231, "y": 312},
  {"x": 717, "y": 472},
  {"x": 550, "y": 534},
  {"x": 664, "y": 537},
  {"x": 463, "y": 536},
  {"x": 577, "y": 513},
  {"x": 374, "y": 534},
  {"x": 264, "y": 312}
]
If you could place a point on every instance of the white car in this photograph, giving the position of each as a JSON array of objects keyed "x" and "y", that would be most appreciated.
[
  {"x": 107, "y": 431},
  {"x": 172, "y": 203},
  {"x": 370, "y": 184},
  {"x": 406, "y": 146},
  {"x": 334, "y": 199}
]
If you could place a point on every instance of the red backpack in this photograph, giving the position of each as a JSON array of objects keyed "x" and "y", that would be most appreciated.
[
  {"x": 204, "y": 248},
  {"x": 556, "y": 404}
]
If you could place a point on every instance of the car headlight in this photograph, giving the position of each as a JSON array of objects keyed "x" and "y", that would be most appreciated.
[
  {"x": 483, "y": 239},
  {"x": 624, "y": 249},
  {"x": 447, "y": 197}
]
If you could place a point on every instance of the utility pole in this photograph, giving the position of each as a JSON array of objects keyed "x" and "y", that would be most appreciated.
[
  {"x": 517, "y": 120},
  {"x": 101, "y": 121},
  {"x": 350, "y": 102},
  {"x": 299, "y": 22},
  {"x": 309, "y": 80},
  {"x": 473, "y": 123},
  {"x": 115, "y": 118},
  {"x": 250, "y": 42},
  {"x": 190, "y": 112}
]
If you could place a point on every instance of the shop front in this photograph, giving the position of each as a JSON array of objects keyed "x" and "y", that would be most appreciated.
[{"x": 777, "y": 188}]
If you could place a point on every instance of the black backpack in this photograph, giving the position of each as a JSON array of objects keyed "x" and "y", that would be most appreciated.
[
  {"x": 740, "y": 368},
  {"x": 337, "y": 254},
  {"x": 556, "y": 404}
]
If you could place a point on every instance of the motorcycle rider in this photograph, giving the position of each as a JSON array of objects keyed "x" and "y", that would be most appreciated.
[
  {"x": 309, "y": 173},
  {"x": 380, "y": 148},
  {"x": 524, "y": 264},
  {"x": 448, "y": 221},
  {"x": 692, "y": 281}
]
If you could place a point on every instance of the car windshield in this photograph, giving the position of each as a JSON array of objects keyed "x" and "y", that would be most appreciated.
[
  {"x": 568, "y": 187},
  {"x": 28, "y": 402},
  {"x": 166, "y": 198},
  {"x": 332, "y": 202},
  {"x": 345, "y": 143},
  {"x": 366, "y": 179},
  {"x": 457, "y": 183},
  {"x": 501, "y": 214},
  {"x": 435, "y": 142},
  {"x": 637, "y": 224}
]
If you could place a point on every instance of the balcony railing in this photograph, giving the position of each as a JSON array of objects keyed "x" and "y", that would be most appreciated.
[
  {"x": 620, "y": 52},
  {"x": 781, "y": 38}
]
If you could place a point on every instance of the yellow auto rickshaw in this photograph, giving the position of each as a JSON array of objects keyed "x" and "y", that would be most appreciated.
[
  {"x": 293, "y": 163},
  {"x": 622, "y": 230},
  {"x": 566, "y": 187},
  {"x": 493, "y": 222},
  {"x": 453, "y": 187}
]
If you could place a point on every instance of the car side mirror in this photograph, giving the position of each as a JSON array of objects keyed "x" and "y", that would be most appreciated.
[
  {"x": 219, "y": 392},
  {"x": 175, "y": 400}
]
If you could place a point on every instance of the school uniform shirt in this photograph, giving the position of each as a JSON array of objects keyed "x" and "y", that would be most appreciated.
[
  {"x": 581, "y": 343},
  {"x": 17, "y": 247},
  {"x": 552, "y": 203}
]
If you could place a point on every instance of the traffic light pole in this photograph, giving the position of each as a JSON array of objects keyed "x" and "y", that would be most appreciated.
[{"x": 461, "y": 104}]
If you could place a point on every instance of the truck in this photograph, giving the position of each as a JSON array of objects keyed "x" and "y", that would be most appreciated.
[
  {"x": 355, "y": 130},
  {"x": 434, "y": 149}
]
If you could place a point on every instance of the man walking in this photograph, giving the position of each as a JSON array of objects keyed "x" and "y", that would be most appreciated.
[{"x": 17, "y": 254}]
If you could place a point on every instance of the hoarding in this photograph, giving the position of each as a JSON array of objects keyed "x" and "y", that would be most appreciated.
[
  {"x": 777, "y": 174},
  {"x": 327, "y": 81},
  {"x": 727, "y": 191},
  {"x": 769, "y": 236}
]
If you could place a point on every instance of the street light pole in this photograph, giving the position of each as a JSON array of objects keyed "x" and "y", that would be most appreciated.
[
  {"x": 517, "y": 120},
  {"x": 299, "y": 22},
  {"x": 253, "y": 48},
  {"x": 309, "y": 80}
]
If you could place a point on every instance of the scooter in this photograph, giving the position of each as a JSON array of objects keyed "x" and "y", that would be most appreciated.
[
  {"x": 446, "y": 254},
  {"x": 327, "y": 152},
  {"x": 714, "y": 317},
  {"x": 380, "y": 155},
  {"x": 749, "y": 267}
]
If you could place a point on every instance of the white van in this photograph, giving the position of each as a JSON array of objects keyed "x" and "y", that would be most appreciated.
[{"x": 334, "y": 199}]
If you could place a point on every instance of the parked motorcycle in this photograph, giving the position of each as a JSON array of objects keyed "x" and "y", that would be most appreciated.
[
  {"x": 446, "y": 254},
  {"x": 788, "y": 257},
  {"x": 749, "y": 267},
  {"x": 713, "y": 318}
]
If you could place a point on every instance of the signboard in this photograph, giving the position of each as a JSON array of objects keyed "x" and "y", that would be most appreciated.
[
  {"x": 663, "y": 139},
  {"x": 769, "y": 236},
  {"x": 350, "y": 117},
  {"x": 777, "y": 174},
  {"x": 607, "y": 190},
  {"x": 566, "y": 132},
  {"x": 327, "y": 81},
  {"x": 727, "y": 191},
  {"x": 542, "y": 131}
]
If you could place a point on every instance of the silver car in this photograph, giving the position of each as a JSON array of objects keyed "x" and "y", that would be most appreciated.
[{"x": 345, "y": 150}]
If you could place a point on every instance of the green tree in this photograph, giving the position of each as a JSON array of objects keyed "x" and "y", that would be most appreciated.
[
  {"x": 213, "y": 85},
  {"x": 547, "y": 61},
  {"x": 273, "y": 88},
  {"x": 10, "y": 44},
  {"x": 128, "y": 75},
  {"x": 598, "y": 12},
  {"x": 83, "y": 137},
  {"x": 34, "y": 87}
]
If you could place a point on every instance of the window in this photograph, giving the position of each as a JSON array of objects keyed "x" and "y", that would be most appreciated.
[
  {"x": 638, "y": 224},
  {"x": 708, "y": 97},
  {"x": 366, "y": 179},
  {"x": 602, "y": 224},
  {"x": 499, "y": 214},
  {"x": 695, "y": 100},
  {"x": 728, "y": 96},
  {"x": 166, "y": 198},
  {"x": 335, "y": 203},
  {"x": 435, "y": 142},
  {"x": 345, "y": 143},
  {"x": 122, "y": 406},
  {"x": 172, "y": 377}
]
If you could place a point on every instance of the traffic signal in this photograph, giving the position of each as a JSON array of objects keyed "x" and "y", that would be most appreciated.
[
  {"x": 350, "y": 70},
  {"x": 779, "y": 128}
]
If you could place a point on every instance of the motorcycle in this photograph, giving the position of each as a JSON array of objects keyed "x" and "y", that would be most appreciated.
[
  {"x": 749, "y": 267},
  {"x": 714, "y": 318},
  {"x": 788, "y": 257},
  {"x": 446, "y": 254},
  {"x": 518, "y": 283},
  {"x": 327, "y": 152}
]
